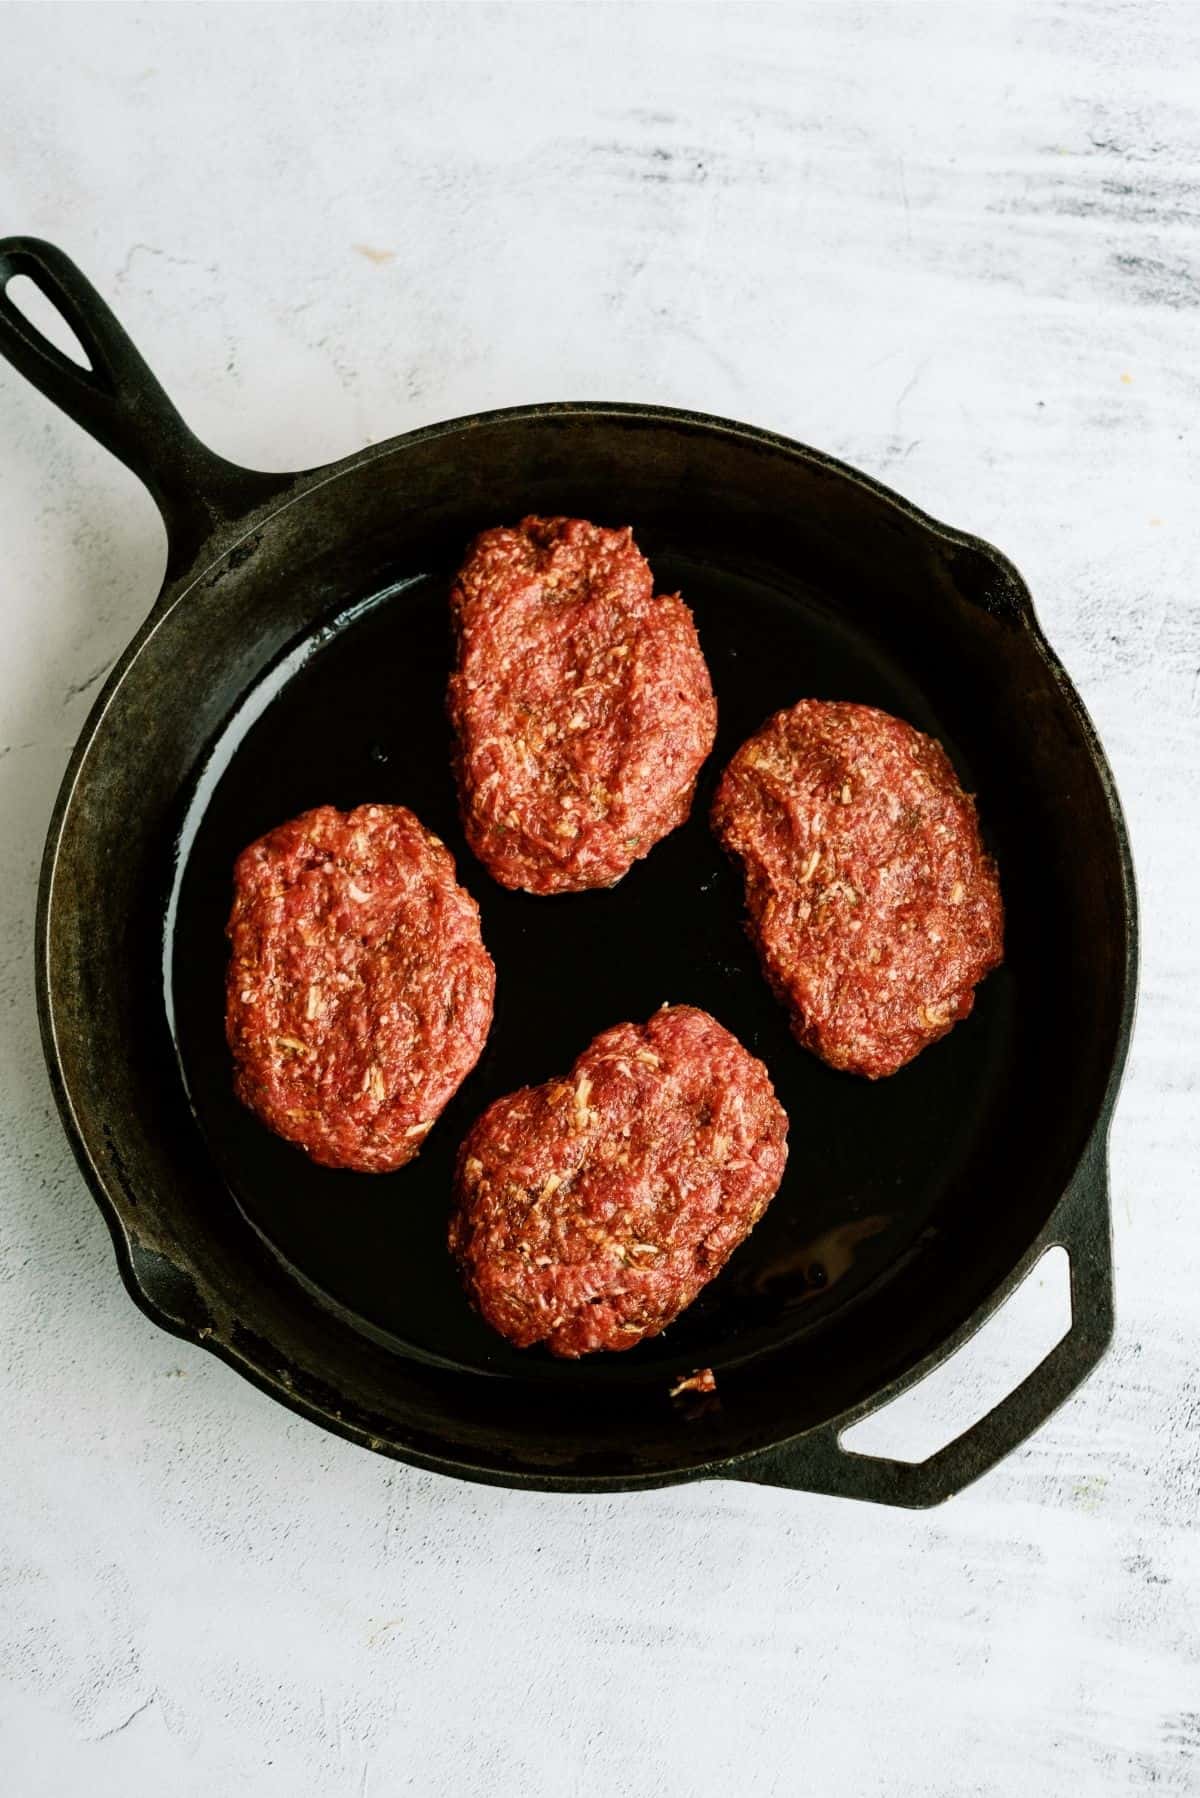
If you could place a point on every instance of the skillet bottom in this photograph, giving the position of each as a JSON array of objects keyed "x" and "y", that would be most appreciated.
[{"x": 355, "y": 713}]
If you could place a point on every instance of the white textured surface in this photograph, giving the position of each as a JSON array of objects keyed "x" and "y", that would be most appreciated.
[{"x": 954, "y": 244}]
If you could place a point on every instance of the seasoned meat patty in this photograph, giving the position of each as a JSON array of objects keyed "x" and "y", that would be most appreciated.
[
  {"x": 359, "y": 993},
  {"x": 582, "y": 705},
  {"x": 592, "y": 1210},
  {"x": 872, "y": 903}
]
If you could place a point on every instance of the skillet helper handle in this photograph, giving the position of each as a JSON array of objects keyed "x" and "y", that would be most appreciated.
[
  {"x": 817, "y": 1462},
  {"x": 119, "y": 401}
]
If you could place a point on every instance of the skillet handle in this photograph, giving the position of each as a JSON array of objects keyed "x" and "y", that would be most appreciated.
[
  {"x": 119, "y": 401},
  {"x": 817, "y": 1462}
]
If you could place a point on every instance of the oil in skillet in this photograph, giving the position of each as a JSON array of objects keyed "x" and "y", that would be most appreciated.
[{"x": 822, "y": 1261}]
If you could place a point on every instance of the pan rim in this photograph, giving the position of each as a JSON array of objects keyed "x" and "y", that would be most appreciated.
[{"x": 295, "y": 489}]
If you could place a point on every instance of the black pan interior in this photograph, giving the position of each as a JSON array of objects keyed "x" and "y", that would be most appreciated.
[{"x": 356, "y": 713}]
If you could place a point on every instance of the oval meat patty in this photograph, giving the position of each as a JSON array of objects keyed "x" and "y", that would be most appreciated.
[
  {"x": 359, "y": 993},
  {"x": 592, "y": 1210},
  {"x": 582, "y": 705},
  {"x": 872, "y": 903}
]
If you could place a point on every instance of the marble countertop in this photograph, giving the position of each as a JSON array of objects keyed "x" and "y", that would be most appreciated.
[{"x": 953, "y": 244}]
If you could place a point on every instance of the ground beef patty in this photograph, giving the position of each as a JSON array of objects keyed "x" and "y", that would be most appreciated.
[
  {"x": 359, "y": 993},
  {"x": 872, "y": 903},
  {"x": 582, "y": 705},
  {"x": 591, "y": 1211}
]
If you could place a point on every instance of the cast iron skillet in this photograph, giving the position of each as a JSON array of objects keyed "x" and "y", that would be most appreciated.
[{"x": 297, "y": 654}]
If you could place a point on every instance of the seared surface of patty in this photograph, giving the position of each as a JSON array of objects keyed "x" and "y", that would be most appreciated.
[
  {"x": 359, "y": 992},
  {"x": 582, "y": 705},
  {"x": 591, "y": 1211},
  {"x": 873, "y": 905}
]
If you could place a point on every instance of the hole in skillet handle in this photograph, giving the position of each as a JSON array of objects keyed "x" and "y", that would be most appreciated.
[
  {"x": 823, "y": 1462},
  {"x": 24, "y": 293},
  {"x": 1003, "y": 1352}
]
